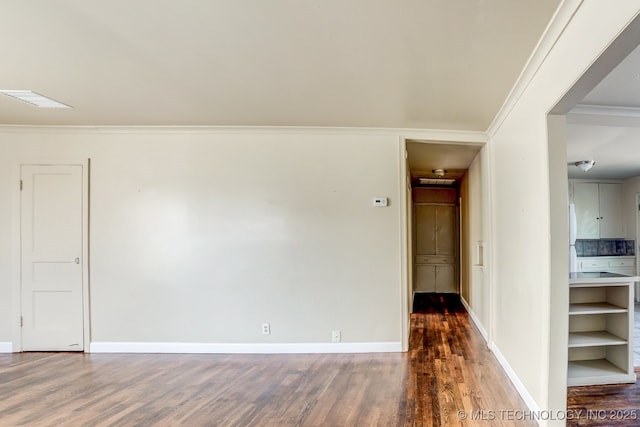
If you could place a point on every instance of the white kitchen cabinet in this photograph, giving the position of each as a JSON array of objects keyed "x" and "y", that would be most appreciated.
[
  {"x": 612, "y": 264},
  {"x": 598, "y": 210},
  {"x": 600, "y": 330}
]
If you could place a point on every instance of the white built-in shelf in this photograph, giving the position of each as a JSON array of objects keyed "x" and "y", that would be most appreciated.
[
  {"x": 600, "y": 347},
  {"x": 595, "y": 308},
  {"x": 585, "y": 372},
  {"x": 594, "y": 339}
]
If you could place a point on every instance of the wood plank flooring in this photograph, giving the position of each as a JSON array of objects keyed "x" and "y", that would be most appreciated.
[
  {"x": 447, "y": 370},
  {"x": 454, "y": 379},
  {"x": 605, "y": 405}
]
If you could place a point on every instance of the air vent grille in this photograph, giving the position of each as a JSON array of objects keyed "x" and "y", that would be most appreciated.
[
  {"x": 437, "y": 181},
  {"x": 33, "y": 98}
]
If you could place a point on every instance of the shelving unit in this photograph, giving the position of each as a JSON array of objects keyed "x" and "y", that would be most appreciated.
[{"x": 600, "y": 329}]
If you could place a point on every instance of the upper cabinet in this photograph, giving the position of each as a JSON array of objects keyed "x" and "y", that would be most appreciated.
[{"x": 598, "y": 210}]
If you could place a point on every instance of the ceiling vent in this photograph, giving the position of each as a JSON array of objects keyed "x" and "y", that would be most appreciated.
[
  {"x": 33, "y": 98},
  {"x": 436, "y": 181}
]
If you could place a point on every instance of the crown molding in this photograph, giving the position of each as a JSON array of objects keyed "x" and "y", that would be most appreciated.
[
  {"x": 563, "y": 15},
  {"x": 605, "y": 110},
  {"x": 440, "y": 135}
]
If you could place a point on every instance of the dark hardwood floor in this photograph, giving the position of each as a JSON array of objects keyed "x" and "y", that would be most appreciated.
[
  {"x": 454, "y": 379},
  {"x": 605, "y": 405},
  {"x": 448, "y": 378}
]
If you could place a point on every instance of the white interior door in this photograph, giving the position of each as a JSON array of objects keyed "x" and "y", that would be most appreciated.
[{"x": 51, "y": 251}]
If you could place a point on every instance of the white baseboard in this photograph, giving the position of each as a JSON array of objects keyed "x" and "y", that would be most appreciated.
[
  {"x": 6, "y": 347},
  {"x": 252, "y": 348},
  {"x": 522, "y": 390},
  {"x": 515, "y": 380},
  {"x": 476, "y": 320}
]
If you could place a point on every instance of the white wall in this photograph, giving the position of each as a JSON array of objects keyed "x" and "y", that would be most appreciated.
[
  {"x": 475, "y": 289},
  {"x": 480, "y": 200},
  {"x": 202, "y": 236},
  {"x": 559, "y": 265},
  {"x": 521, "y": 195}
]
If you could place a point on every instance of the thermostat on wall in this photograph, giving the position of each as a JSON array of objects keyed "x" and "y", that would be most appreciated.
[{"x": 380, "y": 201}]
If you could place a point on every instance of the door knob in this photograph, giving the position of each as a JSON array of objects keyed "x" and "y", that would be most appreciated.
[{"x": 77, "y": 260}]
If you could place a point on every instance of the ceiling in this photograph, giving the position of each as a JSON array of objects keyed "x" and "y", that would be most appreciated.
[
  {"x": 605, "y": 126},
  {"x": 425, "y": 157},
  {"x": 433, "y": 64}
]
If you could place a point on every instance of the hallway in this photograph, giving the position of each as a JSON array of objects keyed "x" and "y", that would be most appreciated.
[{"x": 454, "y": 377}]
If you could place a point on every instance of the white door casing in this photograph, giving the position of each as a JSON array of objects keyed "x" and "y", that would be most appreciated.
[{"x": 52, "y": 255}]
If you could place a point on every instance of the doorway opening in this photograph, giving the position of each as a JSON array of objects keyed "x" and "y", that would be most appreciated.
[
  {"x": 590, "y": 123},
  {"x": 447, "y": 223}
]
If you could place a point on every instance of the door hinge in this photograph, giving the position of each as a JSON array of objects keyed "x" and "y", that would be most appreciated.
[
  {"x": 21, "y": 321},
  {"x": 20, "y": 185}
]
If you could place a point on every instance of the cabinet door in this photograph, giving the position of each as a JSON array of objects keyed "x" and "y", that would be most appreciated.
[
  {"x": 593, "y": 264},
  {"x": 610, "y": 211},
  {"x": 445, "y": 279},
  {"x": 586, "y": 200},
  {"x": 445, "y": 230},
  {"x": 425, "y": 280},
  {"x": 425, "y": 225}
]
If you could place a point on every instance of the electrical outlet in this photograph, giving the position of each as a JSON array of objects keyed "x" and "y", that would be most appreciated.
[
  {"x": 266, "y": 328},
  {"x": 335, "y": 336}
]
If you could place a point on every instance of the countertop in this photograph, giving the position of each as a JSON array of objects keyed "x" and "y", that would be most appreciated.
[
  {"x": 606, "y": 256},
  {"x": 601, "y": 277}
]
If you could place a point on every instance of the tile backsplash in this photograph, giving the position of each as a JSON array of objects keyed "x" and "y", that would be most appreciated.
[{"x": 605, "y": 247}]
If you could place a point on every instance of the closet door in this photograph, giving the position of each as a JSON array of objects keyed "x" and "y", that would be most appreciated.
[
  {"x": 425, "y": 278},
  {"x": 425, "y": 220},
  {"x": 446, "y": 279},
  {"x": 445, "y": 230}
]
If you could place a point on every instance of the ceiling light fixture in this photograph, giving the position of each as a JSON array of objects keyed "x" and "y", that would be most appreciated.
[
  {"x": 585, "y": 165},
  {"x": 439, "y": 172},
  {"x": 34, "y": 99}
]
